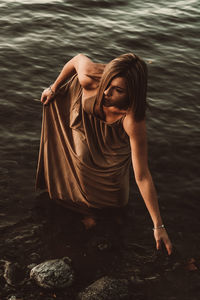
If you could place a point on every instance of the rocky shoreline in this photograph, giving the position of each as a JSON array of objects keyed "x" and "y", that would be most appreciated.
[{"x": 50, "y": 255}]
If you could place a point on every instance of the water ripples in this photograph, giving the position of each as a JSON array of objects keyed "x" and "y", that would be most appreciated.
[{"x": 38, "y": 37}]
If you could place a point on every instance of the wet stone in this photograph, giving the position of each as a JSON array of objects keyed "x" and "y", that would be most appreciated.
[
  {"x": 56, "y": 273},
  {"x": 12, "y": 298},
  {"x": 106, "y": 288},
  {"x": 13, "y": 273},
  {"x": 15, "y": 298},
  {"x": 31, "y": 266}
]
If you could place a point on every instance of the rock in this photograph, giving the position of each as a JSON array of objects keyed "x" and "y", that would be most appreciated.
[
  {"x": 12, "y": 298},
  {"x": 106, "y": 288},
  {"x": 13, "y": 273},
  {"x": 31, "y": 266},
  {"x": 56, "y": 273}
]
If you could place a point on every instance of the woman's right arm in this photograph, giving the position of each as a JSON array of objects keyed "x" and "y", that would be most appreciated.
[{"x": 79, "y": 64}]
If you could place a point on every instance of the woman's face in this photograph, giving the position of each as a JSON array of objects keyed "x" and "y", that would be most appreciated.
[{"x": 116, "y": 93}]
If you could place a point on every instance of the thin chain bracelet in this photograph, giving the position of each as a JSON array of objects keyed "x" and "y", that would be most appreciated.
[
  {"x": 159, "y": 227},
  {"x": 52, "y": 92}
]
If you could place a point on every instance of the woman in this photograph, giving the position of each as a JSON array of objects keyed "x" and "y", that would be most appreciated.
[{"x": 90, "y": 133}]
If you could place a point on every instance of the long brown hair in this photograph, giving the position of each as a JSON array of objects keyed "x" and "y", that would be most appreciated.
[{"x": 134, "y": 70}]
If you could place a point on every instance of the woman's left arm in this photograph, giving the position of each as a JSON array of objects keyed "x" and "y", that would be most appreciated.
[{"x": 138, "y": 141}]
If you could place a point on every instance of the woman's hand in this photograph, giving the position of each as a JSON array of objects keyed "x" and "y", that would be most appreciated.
[
  {"x": 47, "y": 96},
  {"x": 161, "y": 236}
]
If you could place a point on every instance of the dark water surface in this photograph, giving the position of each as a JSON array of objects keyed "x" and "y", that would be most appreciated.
[{"x": 38, "y": 37}]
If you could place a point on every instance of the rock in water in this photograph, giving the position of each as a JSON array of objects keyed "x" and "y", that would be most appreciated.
[
  {"x": 13, "y": 273},
  {"x": 56, "y": 273},
  {"x": 12, "y": 298},
  {"x": 106, "y": 289}
]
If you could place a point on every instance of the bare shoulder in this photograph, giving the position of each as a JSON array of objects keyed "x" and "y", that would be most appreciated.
[
  {"x": 88, "y": 72},
  {"x": 133, "y": 128},
  {"x": 83, "y": 64}
]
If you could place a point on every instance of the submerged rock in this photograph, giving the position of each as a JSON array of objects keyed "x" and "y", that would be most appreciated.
[
  {"x": 12, "y": 298},
  {"x": 106, "y": 288},
  {"x": 56, "y": 273},
  {"x": 13, "y": 273}
]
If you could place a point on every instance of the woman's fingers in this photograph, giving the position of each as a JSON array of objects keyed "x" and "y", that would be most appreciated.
[
  {"x": 47, "y": 101},
  {"x": 161, "y": 237},
  {"x": 158, "y": 244},
  {"x": 43, "y": 96},
  {"x": 46, "y": 96},
  {"x": 167, "y": 244}
]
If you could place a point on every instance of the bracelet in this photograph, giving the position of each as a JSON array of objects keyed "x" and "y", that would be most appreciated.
[
  {"x": 52, "y": 92},
  {"x": 159, "y": 227}
]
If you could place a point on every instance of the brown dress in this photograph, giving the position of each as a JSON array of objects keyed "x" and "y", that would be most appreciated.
[{"x": 83, "y": 161}]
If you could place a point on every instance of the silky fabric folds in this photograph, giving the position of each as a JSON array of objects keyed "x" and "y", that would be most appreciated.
[{"x": 83, "y": 161}]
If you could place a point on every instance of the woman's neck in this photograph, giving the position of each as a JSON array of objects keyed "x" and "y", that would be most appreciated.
[{"x": 112, "y": 113}]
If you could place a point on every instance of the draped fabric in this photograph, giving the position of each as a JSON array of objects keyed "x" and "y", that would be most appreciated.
[{"x": 83, "y": 161}]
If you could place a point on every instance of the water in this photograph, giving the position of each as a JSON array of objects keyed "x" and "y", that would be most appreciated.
[{"x": 38, "y": 37}]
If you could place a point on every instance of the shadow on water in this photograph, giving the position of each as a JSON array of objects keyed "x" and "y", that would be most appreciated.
[{"x": 120, "y": 246}]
